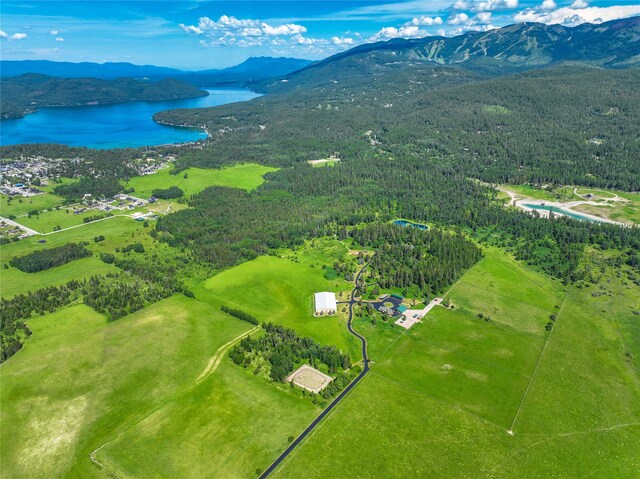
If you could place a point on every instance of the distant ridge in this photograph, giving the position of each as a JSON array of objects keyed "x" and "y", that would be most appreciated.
[
  {"x": 252, "y": 69},
  {"x": 614, "y": 44},
  {"x": 12, "y": 68}
]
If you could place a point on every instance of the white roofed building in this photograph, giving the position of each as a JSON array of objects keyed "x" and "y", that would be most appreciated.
[{"x": 325, "y": 303}]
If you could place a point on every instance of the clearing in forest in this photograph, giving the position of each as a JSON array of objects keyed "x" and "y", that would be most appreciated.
[{"x": 246, "y": 176}]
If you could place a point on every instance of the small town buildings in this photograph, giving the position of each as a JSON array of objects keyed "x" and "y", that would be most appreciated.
[{"x": 325, "y": 303}]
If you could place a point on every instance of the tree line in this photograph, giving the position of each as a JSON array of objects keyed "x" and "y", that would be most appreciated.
[
  {"x": 48, "y": 258},
  {"x": 240, "y": 314},
  {"x": 284, "y": 350},
  {"x": 405, "y": 256}
]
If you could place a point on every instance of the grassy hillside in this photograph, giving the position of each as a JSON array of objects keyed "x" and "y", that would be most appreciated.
[
  {"x": 80, "y": 381},
  {"x": 280, "y": 291},
  {"x": 448, "y": 391}
]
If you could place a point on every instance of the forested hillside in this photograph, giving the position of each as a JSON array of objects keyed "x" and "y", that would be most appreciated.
[
  {"x": 24, "y": 94},
  {"x": 568, "y": 125},
  {"x": 519, "y": 46}
]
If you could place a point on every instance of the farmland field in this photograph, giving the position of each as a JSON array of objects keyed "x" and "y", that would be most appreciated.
[
  {"x": 46, "y": 221},
  {"x": 80, "y": 381},
  {"x": 466, "y": 382},
  {"x": 21, "y": 206},
  {"x": 280, "y": 291},
  {"x": 15, "y": 281},
  {"x": 246, "y": 176}
]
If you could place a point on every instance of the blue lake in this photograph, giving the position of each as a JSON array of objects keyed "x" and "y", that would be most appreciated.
[
  {"x": 405, "y": 223},
  {"x": 118, "y": 125}
]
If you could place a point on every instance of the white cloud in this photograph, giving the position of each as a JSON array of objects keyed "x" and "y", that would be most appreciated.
[
  {"x": 579, "y": 4},
  {"x": 424, "y": 21},
  {"x": 406, "y": 31},
  {"x": 481, "y": 21},
  {"x": 548, "y": 5},
  {"x": 302, "y": 40},
  {"x": 191, "y": 29},
  {"x": 15, "y": 36},
  {"x": 288, "y": 29},
  {"x": 484, "y": 5},
  {"x": 461, "y": 5},
  {"x": 458, "y": 19},
  {"x": 59, "y": 39},
  {"x": 54, "y": 32},
  {"x": 576, "y": 16},
  {"x": 229, "y": 30},
  {"x": 342, "y": 40},
  {"x": 483, "y": 18}
]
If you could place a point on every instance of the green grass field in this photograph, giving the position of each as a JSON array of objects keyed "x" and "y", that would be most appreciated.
[
  {"x": 46, "y": 221},
  {"x": 21, "y": 206},
  {"x": 233, "y": 423},
  {"x": 246, "y": 176},
  {"x": 440, "y": 401},
  {"x": 531, "y": 192},
  {"x": 507, "y": 292},
  {"x": 79, "y": 382},
  {"x": 13, "y": 281},
  {"x": 118, "y": 232},
  {"x": 280, "y": 291}
]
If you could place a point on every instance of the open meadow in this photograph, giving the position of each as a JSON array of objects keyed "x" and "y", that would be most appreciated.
[
  {"x": 280, "y": 291},
  {"x": 444, "y": 397},
  {"x": 21, "y": 206},
  {"x": 246, "y": 176},
  {"x": 80, "y": 381}
]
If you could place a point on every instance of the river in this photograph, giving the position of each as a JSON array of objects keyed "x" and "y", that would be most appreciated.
[{"x": 117, "y": 125}]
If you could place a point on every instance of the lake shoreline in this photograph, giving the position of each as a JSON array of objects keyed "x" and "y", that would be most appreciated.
[{"x": 117, "y": 124}]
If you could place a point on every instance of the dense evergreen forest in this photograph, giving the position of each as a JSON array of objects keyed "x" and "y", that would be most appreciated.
[
  {"x": 284, "y": 350},
  {"x": 48, "y": 258},
  {"x": 566, "y": 125},
  {"x": 405, "y": 257},
  {"x": 226, "y": 226}
]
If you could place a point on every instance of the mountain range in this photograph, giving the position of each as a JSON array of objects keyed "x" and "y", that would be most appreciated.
[
  {"x": 614, "y": 44},
  {"x": 252, "y": 69}
]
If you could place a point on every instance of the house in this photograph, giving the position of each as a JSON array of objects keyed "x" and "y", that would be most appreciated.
[{"x": 325, "y": 303}]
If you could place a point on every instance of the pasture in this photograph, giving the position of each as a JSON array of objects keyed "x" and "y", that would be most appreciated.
[
  {"x": 80, "y": 381},
  {"x": 442, "y": 399},
  {"x": 118, "y": 232},
  {"x": 22, "y": 205},
  {"x": 247, "y": 176},
  {"x": 46, "y": 221},
  {"x": 280, "y": 291}
]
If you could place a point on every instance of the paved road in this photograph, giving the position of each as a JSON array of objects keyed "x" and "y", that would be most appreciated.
[
  {"x": 18, "y": 225},
  {"x": 334, "y": 403}
]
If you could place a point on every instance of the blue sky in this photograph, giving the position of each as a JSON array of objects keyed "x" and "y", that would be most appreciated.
[{"x": 216, "y": 34}]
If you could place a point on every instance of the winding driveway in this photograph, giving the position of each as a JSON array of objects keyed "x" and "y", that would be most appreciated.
[{"x": 345, "y": 391}]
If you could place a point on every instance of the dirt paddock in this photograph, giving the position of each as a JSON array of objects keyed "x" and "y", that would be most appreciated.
[{"x": 309, "y": 378}]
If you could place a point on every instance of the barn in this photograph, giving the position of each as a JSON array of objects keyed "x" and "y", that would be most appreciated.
[{"x": 325, "y": 303}]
